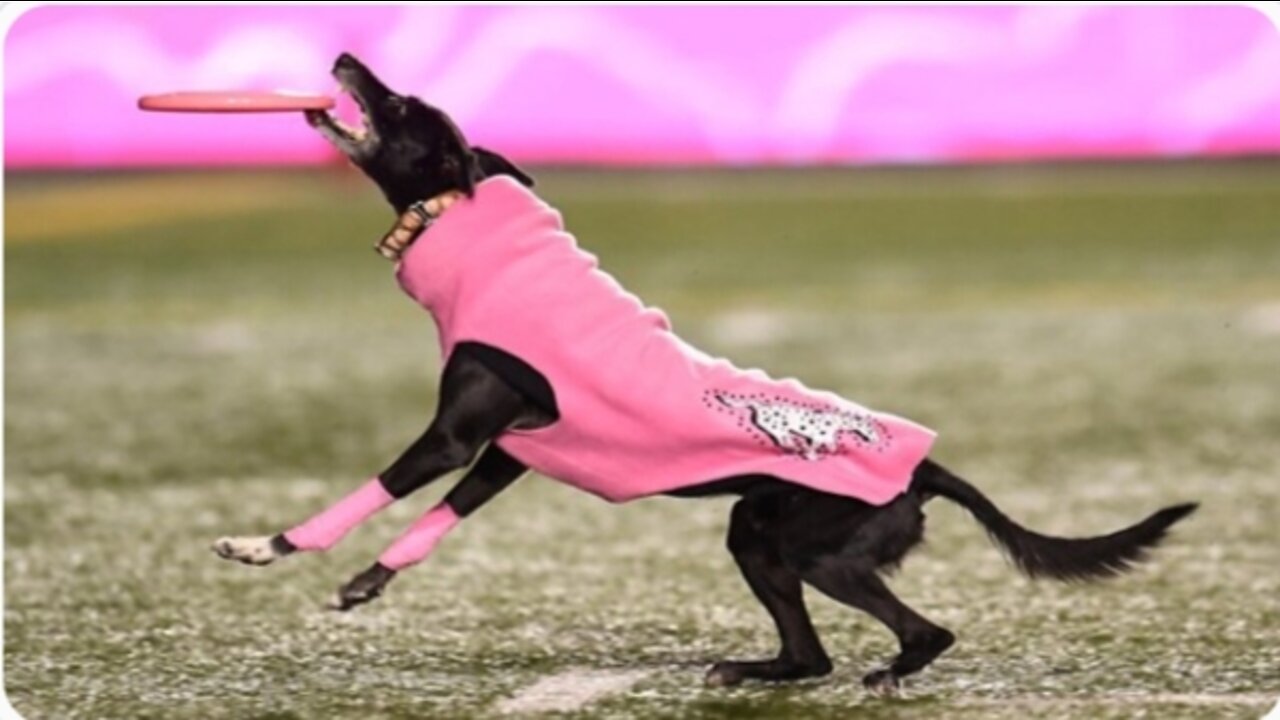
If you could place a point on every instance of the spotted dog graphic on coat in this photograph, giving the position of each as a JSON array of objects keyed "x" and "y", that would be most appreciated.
[{"x": 809, "y": 432}]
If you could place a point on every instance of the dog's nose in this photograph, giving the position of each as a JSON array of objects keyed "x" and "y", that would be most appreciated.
[{"x": 346, "y": 61}]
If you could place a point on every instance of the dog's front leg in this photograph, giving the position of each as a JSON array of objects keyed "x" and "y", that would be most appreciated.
[
  {"x": 319, "y": 533},
  {"x": 437, "y": 452},
  {"x": 492, "y": 473},
  {"x": 475, "y": 405}
]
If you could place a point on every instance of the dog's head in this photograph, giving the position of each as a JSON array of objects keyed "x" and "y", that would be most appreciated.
[{"x": 413, "y": 151}]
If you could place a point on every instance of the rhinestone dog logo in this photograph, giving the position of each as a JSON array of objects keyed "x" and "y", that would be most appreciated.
[{"x": 810, "y": 432}]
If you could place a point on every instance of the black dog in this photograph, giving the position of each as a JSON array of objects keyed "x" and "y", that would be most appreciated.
[{"x": 782, "y": 535}]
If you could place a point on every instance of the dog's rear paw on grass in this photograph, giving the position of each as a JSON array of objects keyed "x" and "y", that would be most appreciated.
[
  {"x": 261, "y": 550},
  {"x": 883, "y": 683},
  {"x": 363, "y": 588}
]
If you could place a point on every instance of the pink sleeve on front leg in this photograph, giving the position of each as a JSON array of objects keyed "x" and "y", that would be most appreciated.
[
  {"x": 324, "y": 530},
  {"x": 419, "y": 540}
]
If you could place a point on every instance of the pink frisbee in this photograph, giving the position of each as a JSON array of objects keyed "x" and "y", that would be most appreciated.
[{"x": 234, "y": 102}]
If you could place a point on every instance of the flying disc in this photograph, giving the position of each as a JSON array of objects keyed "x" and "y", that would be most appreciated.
[{"x": 234, "y": 102}]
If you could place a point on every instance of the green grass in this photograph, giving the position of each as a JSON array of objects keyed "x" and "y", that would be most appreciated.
[{"x": 190, "y": 358}]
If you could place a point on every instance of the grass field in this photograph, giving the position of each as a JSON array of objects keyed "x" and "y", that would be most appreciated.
[{"x": 191, "y": 355}]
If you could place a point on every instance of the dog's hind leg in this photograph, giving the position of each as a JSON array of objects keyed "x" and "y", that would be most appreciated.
[
  {"x": 853, "y": 584},
  {"x": 754, "y": 542}
]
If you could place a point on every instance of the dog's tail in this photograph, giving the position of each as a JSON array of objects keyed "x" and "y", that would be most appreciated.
[{"x": 1070, "y": 559}]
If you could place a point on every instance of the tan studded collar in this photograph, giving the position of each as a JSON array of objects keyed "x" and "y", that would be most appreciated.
[{"x": 413, "y": 223}]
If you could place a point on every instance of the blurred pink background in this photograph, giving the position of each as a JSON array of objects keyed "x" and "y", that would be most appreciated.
[{"x": 663, "y": 84}]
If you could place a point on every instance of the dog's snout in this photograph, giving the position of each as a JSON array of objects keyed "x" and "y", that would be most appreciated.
[{"x": 346, "y": 61}]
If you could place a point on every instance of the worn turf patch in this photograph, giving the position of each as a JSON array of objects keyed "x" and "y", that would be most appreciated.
[{"x": 570, "y": 690}]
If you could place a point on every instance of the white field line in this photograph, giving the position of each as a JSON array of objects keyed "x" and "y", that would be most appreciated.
[
  {"x": 1264, "y": 319},
  {"x": 570, "y": 690}
]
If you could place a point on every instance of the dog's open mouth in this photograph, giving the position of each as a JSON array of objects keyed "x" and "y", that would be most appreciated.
[{"x": 352, "y": 141}]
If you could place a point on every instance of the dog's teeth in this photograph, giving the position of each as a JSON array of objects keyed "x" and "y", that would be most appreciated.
[{"x": 353, "y": 133}]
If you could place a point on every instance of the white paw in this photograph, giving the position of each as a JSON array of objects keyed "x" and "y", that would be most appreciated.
[{"x": 248, "y": 550}]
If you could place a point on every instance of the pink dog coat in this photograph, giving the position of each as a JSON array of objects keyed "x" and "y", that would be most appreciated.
[{"x": 641, "y": 411}]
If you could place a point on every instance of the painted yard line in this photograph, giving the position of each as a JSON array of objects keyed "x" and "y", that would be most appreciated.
[
  {"x": 570, "y": 690},
  {"x": 1264, "y": 319}
]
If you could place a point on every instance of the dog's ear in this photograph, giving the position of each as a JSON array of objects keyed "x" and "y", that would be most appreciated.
[
  {"x": 452, "y": 165},
  {"x": 491, "y": 163}
]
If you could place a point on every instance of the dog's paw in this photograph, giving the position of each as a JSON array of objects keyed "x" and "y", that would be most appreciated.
[
  {"x": 882, "y": 683},
  {"x": 723, "y": 674},
  {"x": 363, "y": 588},
  {"x": 248, "y": 550}
]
